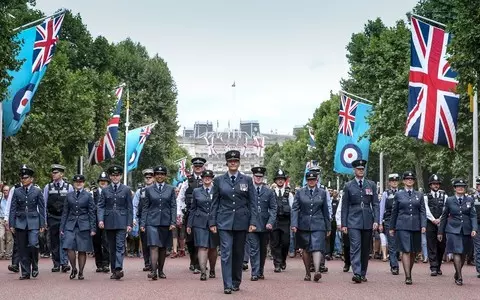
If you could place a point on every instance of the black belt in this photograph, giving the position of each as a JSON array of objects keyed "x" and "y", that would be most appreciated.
[{"x": 362, "y": 204}]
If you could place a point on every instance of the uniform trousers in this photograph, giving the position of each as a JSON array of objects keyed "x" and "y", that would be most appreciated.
[
  {"x": 258, "y": 251},
  {"x": 346, "y": 249},
  {"x": 15, "y": 252},
  {"x": 280, "y": 243},
  {"x": 59, "y": 255},
  {"x": 246, "y": 253},
  {"x": 116, "y": 242},
  {"x": 436, "y": 249},
  {"x": 391, "y": 244},
  {"x": 232, "y": 247},
  {"x": 476, "y": 243},
  {"x": 360, "y": 247},
  {"x": 28, "y": 250},
  {"x": 100, "y": 247}
]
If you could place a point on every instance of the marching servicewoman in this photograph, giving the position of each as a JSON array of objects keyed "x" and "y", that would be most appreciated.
[
  {"x": 311, "y": 223},
  {"x": 26, "y": 220},
  {"x": 459, "y": 223},
  {"x": 408, "y": 222},
  {"x": 233, "y": 215},
  {"x": 78, "y": 225},
  {"x": 159, "y": 215},
  {"x": 115, "y": 215},
  {"x": 205, "y": 241}
]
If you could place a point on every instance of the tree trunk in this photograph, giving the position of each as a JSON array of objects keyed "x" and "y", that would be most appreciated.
[{"x": 419, "y": 170}]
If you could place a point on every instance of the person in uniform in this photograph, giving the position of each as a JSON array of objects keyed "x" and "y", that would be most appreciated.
[
  {"x": 205, "y": 241},
  {"x": 138, "y": 201},
  {"x": 15, "y": 254},
  {"x": 55, "y": 194},
  {"x": 434, "y": 203},
  {"x": 78, "y": 225},
  {"x": 459, "y": 223},
  {"x": 100, "y": 243},
  {"x": 233, "y": 214},
  {"x": 345, "y": 238},
  {"x": 359, "y": 217},
  {"x": 311, "y": 224},
  {"x": 184, "y": 202},
  {"x": 476, "y": 238},
  {"x": 408, "y": 222},
  {"x": 26, "y": 219},
  {"x": 266, "y": 205},
  {"x": 386, "y": 205},
  {"x": 280, "y": 236},
  {"x": 158, "y": 220},
  {"x": 115, "y": 215}
]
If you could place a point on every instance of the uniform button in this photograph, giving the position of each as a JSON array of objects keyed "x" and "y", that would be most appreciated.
[
  {"x": 310, "y": 215},
  {"x": 233, "y": 202},
  {"x": 233, "y": 209},
  {"x": 233, "y": 188},
  {"x": 233, "y": 195},
  {"x": 411, "y": 215}
]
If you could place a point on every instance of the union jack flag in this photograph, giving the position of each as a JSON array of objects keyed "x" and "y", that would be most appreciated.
[
  {"x": 144, "y": 134},
  {"x": 45, "y": 42},
  {"x": 182, "y": 167},
  {"x": 346, "y": 115},
  {"x": 105, "y": 147},
  {"x": 432, "y": 101}
]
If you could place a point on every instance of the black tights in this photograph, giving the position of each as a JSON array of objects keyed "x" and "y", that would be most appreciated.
[
  {"x": 408, "y": 260},
  {"x": 82, "y": 259},
  {"x": 205, "y": 254},
  {"x": 308, "y": 256},
  {"x": 458, "y": 262},
  {"x": 157, "y": 256}
]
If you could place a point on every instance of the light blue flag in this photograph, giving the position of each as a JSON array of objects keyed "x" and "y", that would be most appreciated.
[
  {"x": 352, "y": 126},
  {"x": 182, "y": 171},
  {"x": 39, "y": 43},
  {"x": 310, "y": 164},
  {"x": 136, "y": 138}
]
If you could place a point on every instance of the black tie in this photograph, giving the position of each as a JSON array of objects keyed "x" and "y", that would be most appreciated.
[
  {"x": 258, "y": 190},
  {"x": 460, "y": 200},
  {"x": 360, "y": 184},
  {"x": 57, "y": 185},
  {"x": 160, "y": 187},
  {"x": 26, "y": 190},
  {"x": 78, "y": 193},
  {"x": 436, "y": 194},
  {"x": 233, "y": 178},
  {"x": 207, "y": 190},
  {"x": 279, "y": 193},
  {"x": 409, "y": 193},
  {"x": 311, "y": 192},
  {"x": 115, "y": 188}
]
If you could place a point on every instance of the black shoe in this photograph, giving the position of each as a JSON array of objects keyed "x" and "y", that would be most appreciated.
[
  {"x": 162, "y": 275},
  {"x": 203, "y": 277},
  {"x": 277, "y": 270},
  {"x": 80, "y": 276},
  {"x": 364, "y": 279},
  {"x": 323, "y": 269},
  {"x": 244, "y": 267},
  {"x": 439, "y": 272},
  {"x": 13, "y": 269},
  {"x": 196, "y": 271},
  {"x": 307, "y": 277},
  {"x": 212, "y": 274},
  {"x": 55, "y": 269},
  {"x": 24, "y": 277},
  {"x": 65, "y": 269},
  {"x": 433, "y": 273},
  {"x": 283, "y": 266},
  {"x": 99, "y": 270},
  {"x": 119, "y": 274},
  {"x": 227, "y": 291},
  {"x": 152, "y": 275},
  {"x": 73, "y": 274},
  {"x": 35, "y": 273},
  {"x": 147, "y": 269},
  {"x": 459, "y": 281},
  {"x": 317, "y": 276},
  {"x": 346, "y": 268},
  {"x": 408, "y": 281},
  {"x": 235, "y": 288},
  {"x": 357, "y": 278},
  {"x": 261, "y": 277},
  {"x": 254, "y": 278},
  {"x": 106, "y": 270},
  {"x": 328, "y": 257},
  {"x": 455, "y": 277},
  {"x": 191, "y": 268},
  {"x": 394, "y": 271}
]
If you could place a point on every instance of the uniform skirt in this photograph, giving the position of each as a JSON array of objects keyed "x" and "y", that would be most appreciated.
[
  {"x": 159, "y": 236},
  {"x": 409, "y": 241},
  {"x": 78, "y": 240},
  {"x": 458, "y": 243},
  {"x": 204, "y": 238},
  {"x": 310, "y": 240}
]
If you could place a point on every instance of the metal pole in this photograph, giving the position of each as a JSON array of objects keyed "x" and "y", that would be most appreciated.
[
  {"x": 125, "y": 163},
  {"x": 63, "y": 10},
  {"x": 429, "y": 20},
  {"x": 475, "y": 137},
  {"x": 355, "y": 96},
  {"x": 381, "y": 161},
  {"x": 80, "y": 165},
  {"x": 1, "y": 139}
]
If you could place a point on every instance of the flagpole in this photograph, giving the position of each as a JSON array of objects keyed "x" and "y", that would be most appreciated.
[
  {"x": 1, "y": 139},
  {"x": 63, "y": 10},
  {"x": 429, "y": 20},
  {"x": 127, "y": 124},
  {"x": 381, "y": 161},
  {"x": 355, "y": 96},
  {"x": 475, "y": 138}
]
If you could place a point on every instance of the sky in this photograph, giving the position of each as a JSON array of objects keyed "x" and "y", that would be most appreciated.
[{"x": 284, "y": 56}]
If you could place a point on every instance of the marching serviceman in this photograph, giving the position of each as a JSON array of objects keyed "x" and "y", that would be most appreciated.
[
  {"x": 311, "y": 223},
  {"x": 205, "y": 241},
  {"x": 459, "y": 223},
  {"x": 138, "y": 201},
  {"x": 266, "y": 205},
  {"x": 434, "y": 203},
  {"x": 78, "y": 225},
  {"x": 476, "y": 238},
  {"x": 359, "y": 218},
  {"x": 184, "y": 202},
  {"x": 386, "y": 205},
  {"x": 55, "y": 194},
  {"x": 280, "y": 236},
  {"x": 158, "y": 220},
  {"x": 408, "y": 222},
  {"x": 26, "y": 220},
  {"x": 100, "y": 243},
  {"x": 115, "y": 215},
  {"x": 233, "y": 215}
]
